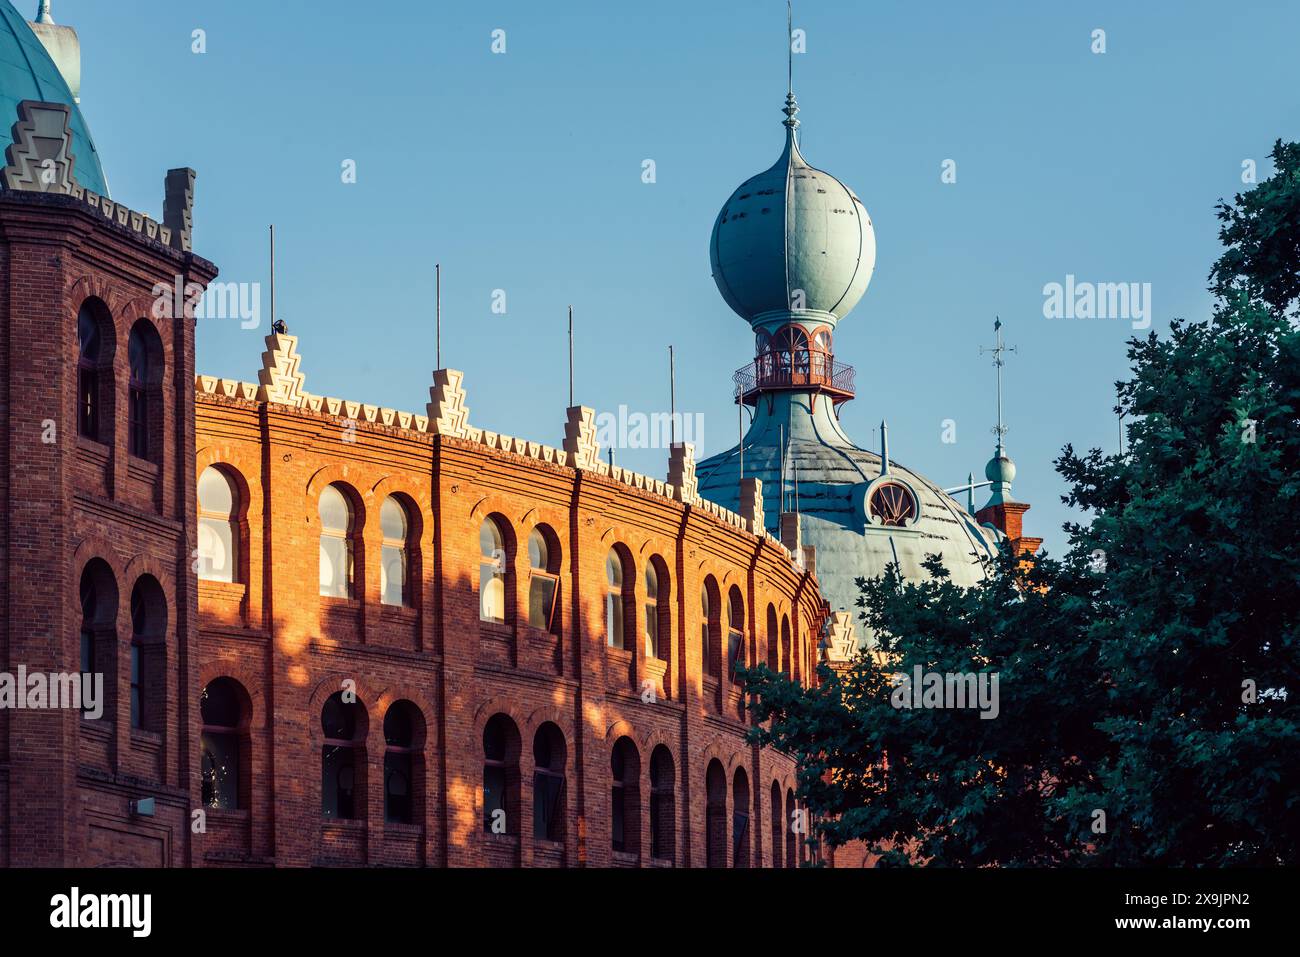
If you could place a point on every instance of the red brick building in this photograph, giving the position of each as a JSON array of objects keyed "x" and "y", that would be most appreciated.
[{"x": 337, "y": 634}]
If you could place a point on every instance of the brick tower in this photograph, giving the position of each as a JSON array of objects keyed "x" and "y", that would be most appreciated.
[{"x": 97, "y": 400}]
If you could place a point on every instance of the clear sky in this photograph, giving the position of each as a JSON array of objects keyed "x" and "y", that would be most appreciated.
[{"x": 522, "y": 172}]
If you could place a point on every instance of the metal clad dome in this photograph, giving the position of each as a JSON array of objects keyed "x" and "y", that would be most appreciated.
[
  {"x": 792, "y": 228},
  {"x": 28, "y": 73}
]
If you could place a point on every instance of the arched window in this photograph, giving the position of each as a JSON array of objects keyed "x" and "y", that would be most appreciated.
[
  {"x": 625, "y": 797},
  {"x": 543, "y": 578},
  {"x": 148, "y": 654},
  {"x": 715, "y": 815},
  {"x": 653, "y": 648},
  {"x": 394, "y": 568},
  {"x": 740, "y": 836},
  {"x": 778, "y": 825},
  {"x": 785, "y": 646},
  {"x": 144, "y": 403},
  {"x": 792, "y": 829},
  {"x": 500, "y": 776},
  {"x": 663, "y": 813},
  {"x": 773, "y": 653},
  {"x": 491, "y": 573},
  {"x": 403, "y": 767},
  {"x": 735, "y": 633},
  {"x": 224, "y": 710},
  {"x": 711, "y": 627},
  {"x": 336, "y": 543},
  {"x": 822, "y": 358},
  {"x": 614, "y": 599},
  {"x": 343, "y": 759},
  {"x": 99, "y": 632},
  {"x": 706, "y": 615},
  {"x": 218, "y": 531},
  {"x": 548, "y": 783},
  {"x": 94, "y": 371}
]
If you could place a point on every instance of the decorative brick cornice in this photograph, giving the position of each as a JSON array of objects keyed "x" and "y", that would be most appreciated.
[{"x": 40, "y": 160}]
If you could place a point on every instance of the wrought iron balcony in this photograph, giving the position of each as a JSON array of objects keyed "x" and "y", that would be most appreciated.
[{"x": 808, "y": 372}]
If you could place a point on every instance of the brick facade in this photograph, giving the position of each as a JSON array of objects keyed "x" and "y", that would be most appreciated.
[{"x": 82, "y": 509}]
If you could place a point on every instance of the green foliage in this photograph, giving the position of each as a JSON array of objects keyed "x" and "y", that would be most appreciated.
[{"x": 1124, "y": 666}]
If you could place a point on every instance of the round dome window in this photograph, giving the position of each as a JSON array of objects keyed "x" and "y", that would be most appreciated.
[{"x": 892, "y": 504}]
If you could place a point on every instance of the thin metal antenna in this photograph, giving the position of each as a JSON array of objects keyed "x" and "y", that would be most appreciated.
[
  {"x": 789, "y": 48},
  {"x": 998, "y": 350},
  {"x": 740, "y": 434},
  {"x": 672, "y": 395},
  {"x": 437, "y": 313},
  {"x": 273, "y": 277},
  {"x": 781, "y": 439},
  {"x": 571, "y": 357}
]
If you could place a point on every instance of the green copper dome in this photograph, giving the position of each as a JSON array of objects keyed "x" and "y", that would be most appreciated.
[
  {"x": 28, "y": 73},
  {"x": 792, "y": 240}
]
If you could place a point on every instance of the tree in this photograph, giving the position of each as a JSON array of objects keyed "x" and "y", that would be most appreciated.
[{"x": 1145, "y": 678}]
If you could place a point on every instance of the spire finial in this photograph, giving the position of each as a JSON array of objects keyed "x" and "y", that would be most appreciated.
[
  {"x": 791, "y": 105},
  {"x": 884, "y": 447},
  {"x": 43, "y": 12}
]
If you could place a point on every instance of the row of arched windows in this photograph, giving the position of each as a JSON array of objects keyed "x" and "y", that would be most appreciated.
[
  {"x": 792, "y": 353},
  {"x": 96, "y": 385},
  {"x": 226, "y": 712},
  {"x": 340, "y": 538},
  {"x": 722, "y": 638},
  {"x": 148, "y": 648}
]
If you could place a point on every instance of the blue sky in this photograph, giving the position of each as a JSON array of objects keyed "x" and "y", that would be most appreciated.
[{"x": 522, "y": 172}]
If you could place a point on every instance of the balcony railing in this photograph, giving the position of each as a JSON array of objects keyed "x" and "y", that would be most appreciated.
[{"x": 815, "y": 371}]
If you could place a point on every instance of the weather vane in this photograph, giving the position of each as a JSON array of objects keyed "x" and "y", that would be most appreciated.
[{"x": 998, "y": 350}]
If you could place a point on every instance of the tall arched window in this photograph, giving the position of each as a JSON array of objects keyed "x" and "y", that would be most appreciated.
[
  {"x": 663, "y": 813},
  {"x": 491, "y": 572},
  {"x": 224, "y": 710},
  {"x": 785, "y": 647},
  {"x": 711, "y": 628},
  {"x": 343, "y": 759},
  {"x": 218, "y": 531},
  {"x": 144, "y": 401},
  {"x": 95, "y": 371},
  {"x": 735, "y": 632},
  {"x": 773, "y": 653},
  {"x": 500, "y": 776},
  {"x": 715, "y": 815},
  {"x": 403, "y": 767},
  {"x": 148, "y": 654},
  {"x": 543, "y": 577},
  {"x": 615, "y": 599},
  {"x": 740, "y": 836},
  {"x": 792, "y": 829},
  {"x": 706, "y": 616},
  {"x": 394, "y": 568},
  {"x": 336, "y": 543},
  {"x": 653, "y": 648},
  {"x": 548, "y": 783},
  {"x": 99, "y": 631},
  {"x": 778, "y": 828},
  {"x": 625, "y": 797}
]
